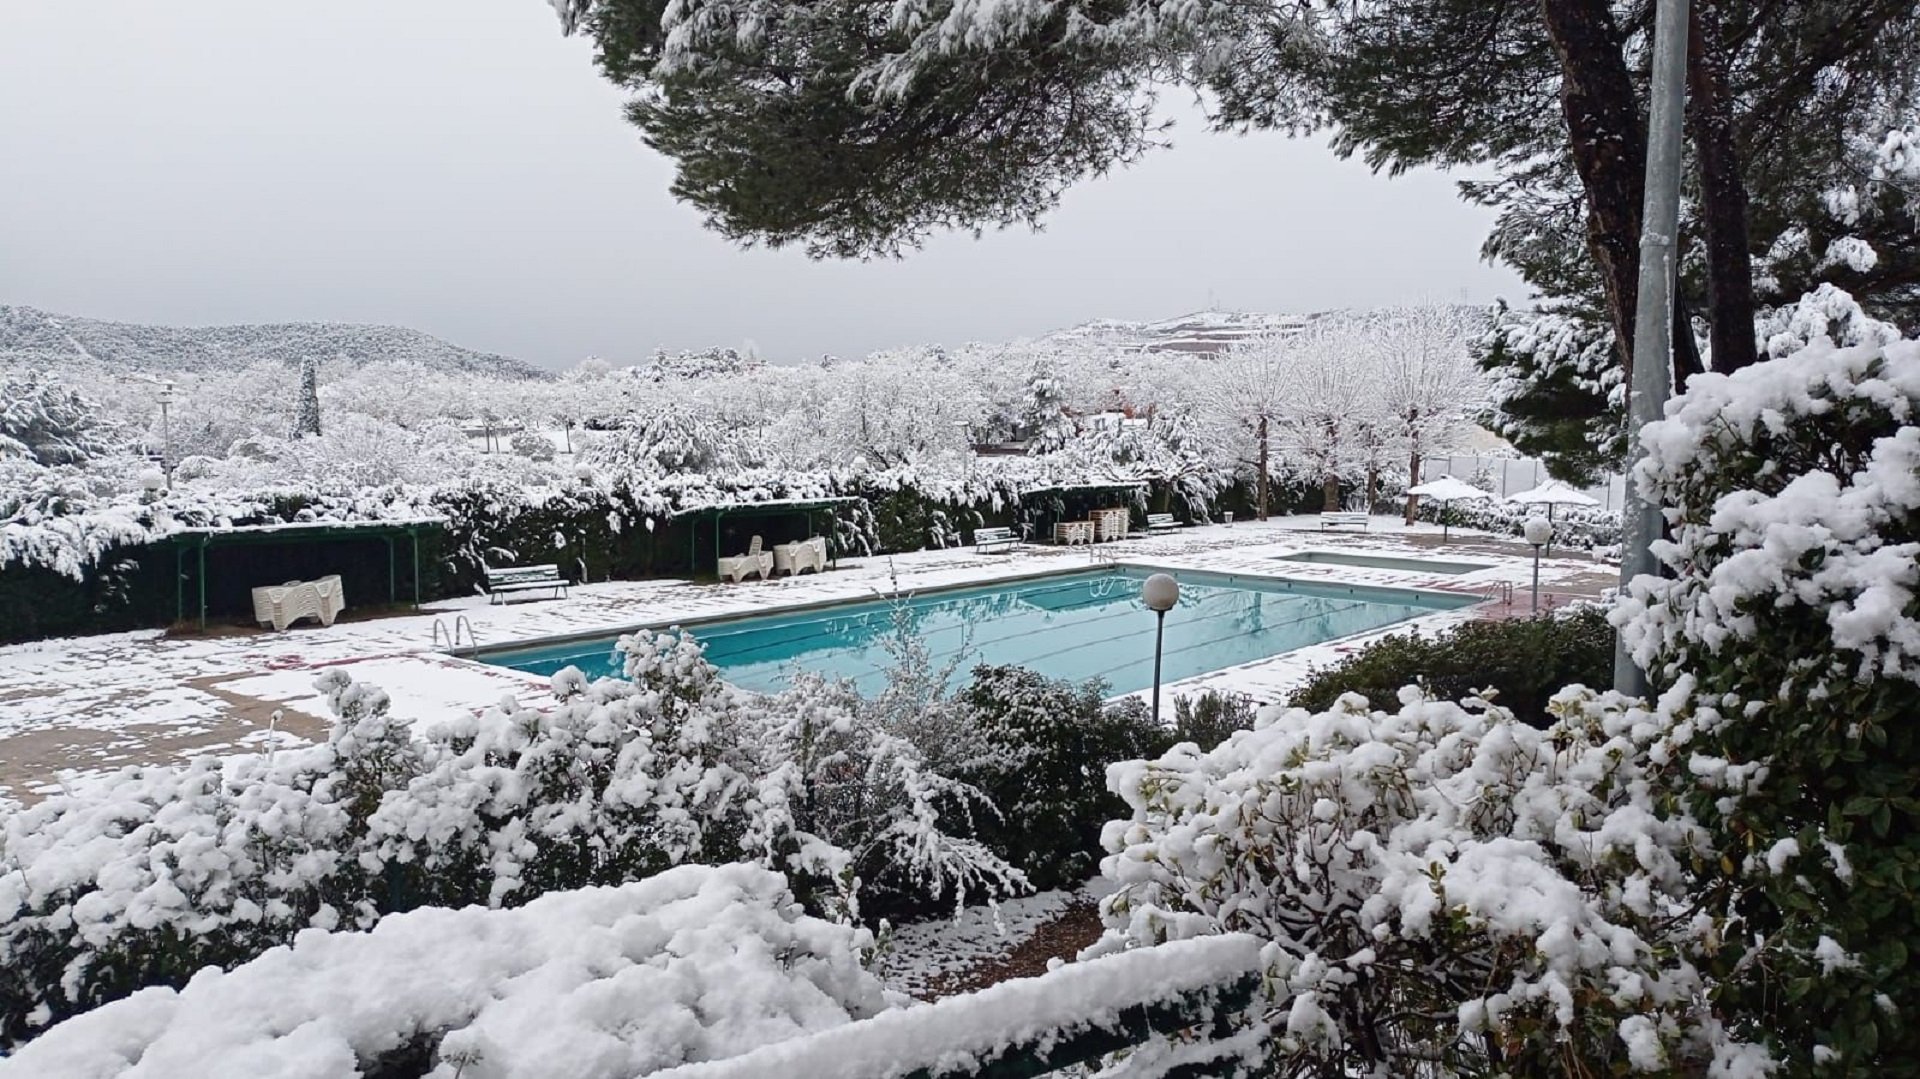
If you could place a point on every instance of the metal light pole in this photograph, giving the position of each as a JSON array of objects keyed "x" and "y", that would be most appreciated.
[
  {"x": 166, "y": 432},
  {"x": 1653, "y": 312},
  {"x": 1159, "y": 593},
  {"x": 1539, "y": 532}
]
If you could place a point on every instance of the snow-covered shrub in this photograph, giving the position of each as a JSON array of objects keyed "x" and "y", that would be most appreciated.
[
  {"x": 1792, "y": 627},
  {"x": 1573, "y": 526},
  {"x": 532, "y": 444},
  {"x": 1521, "y": 663},
  {"x": 1211, "y": 716},
  {"x": 696, "y": 963},
  {"x": 1047, "y": 743},
  {"x": 144, "y": 876},
  {"x": 623, "y": 778},
  {"x": 1447, "y": 890}
]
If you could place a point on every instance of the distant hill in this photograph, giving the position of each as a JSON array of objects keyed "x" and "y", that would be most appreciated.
[
  {"x": 34, "y": 337},
  {"x": 1202, "y": 333}
]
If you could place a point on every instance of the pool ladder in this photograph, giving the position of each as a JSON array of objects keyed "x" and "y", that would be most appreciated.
[
  {"x": 1499, "y": 590},
  {"x": 453, "y": 638}
]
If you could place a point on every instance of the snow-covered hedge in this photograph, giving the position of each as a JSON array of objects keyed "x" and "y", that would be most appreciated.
[
  {"x": 696, "y": 963},
  {"x": 1792, "y": 627},
  {"x": 1448, "y": 891},
  {"x": 1573, "y": 526}
]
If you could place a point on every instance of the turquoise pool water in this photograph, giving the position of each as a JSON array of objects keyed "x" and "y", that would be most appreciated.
[{"x": 1077, "y": 625}]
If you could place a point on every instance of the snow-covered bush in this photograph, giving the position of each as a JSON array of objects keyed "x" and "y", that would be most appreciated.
[
  {"x": 696, "y": 963},
  {"x": 1520, "y": 663},
  {"x": 1447, "y": 891},
  {"x": 532, "y": 445},
  {"x": 1047, "y": 743},
  {"x": 144, "y": 876},
  {"x": 1573, "y": 526},
  {"x": 1792, "y": 626}
]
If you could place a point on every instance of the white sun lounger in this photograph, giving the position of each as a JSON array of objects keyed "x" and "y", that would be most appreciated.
[{"x": 736, "y": 567}]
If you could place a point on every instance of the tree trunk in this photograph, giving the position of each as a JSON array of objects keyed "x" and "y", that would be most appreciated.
[
  {"x": 1330, "y": 487},
  {"x": 1373, "y": 487},
  {"x": 1723, "y": 193},
  {"x": 1413, "y": 479},
  {"x": 1608, "y": 140},
  {"x": 1260, "y": 483}
]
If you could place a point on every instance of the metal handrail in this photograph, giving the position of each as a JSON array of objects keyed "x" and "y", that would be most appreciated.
[{"x": 452, "y": 638}]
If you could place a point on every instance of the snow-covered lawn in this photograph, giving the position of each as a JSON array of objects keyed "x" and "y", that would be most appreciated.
[{"x": 93, "y": 703}]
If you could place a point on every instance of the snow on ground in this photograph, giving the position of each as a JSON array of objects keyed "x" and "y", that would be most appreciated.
[
  {"x": 95, "y": 703},
  {"x": 923, "y": 957}
]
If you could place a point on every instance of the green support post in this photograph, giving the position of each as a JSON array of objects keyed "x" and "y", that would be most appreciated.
[
  {"x": 414, "y": 534},
  {"x": 203, "y": 584}
]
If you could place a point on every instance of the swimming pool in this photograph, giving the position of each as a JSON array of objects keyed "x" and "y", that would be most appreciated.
[
  {"x": 1075, "y": 625},
  {"x": 1381, "y": 561}
]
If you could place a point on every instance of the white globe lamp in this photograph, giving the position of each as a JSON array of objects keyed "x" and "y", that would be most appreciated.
[{"x": 1539, "y": 532}]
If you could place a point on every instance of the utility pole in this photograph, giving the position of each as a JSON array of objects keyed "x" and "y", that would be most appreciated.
[{"x": 1653, "y": 312}]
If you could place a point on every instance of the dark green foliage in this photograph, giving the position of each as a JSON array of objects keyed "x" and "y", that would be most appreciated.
[
  {"x": 1051, "y": 744},
  {"x": 1525, "y": 661},
  {"x": 1828, "y": 705},
  {"x": 1210, "y": 718}
]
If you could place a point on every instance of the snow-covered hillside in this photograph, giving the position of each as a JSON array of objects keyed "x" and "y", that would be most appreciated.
[{"x": 31, "y": 337}]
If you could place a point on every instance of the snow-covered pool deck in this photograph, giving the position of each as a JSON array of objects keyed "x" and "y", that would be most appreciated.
[{"x": 93, "y": 703}]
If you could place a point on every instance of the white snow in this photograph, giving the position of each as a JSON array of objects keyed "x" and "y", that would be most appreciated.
[{"x": 696, "y": 963}]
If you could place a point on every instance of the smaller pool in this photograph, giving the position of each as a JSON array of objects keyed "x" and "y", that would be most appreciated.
[{"x": 1381, "y": 561}]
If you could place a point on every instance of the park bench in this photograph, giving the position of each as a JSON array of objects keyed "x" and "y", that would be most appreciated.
[
  {"x": 1344, "y": 519},
  {"x": 1161, "y": 522},
  {"x": 509, "y": 579},
  {"x": 994, "y": 539}
]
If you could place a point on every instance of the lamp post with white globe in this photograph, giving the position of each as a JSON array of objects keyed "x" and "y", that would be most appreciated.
[
  {"x": 1159, "y": 593},
  {"x": 1539, "y": 532}
]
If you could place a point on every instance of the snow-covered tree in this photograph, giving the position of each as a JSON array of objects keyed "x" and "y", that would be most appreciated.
[
  {"x": 1430, "y": 387},
  {"x": 306, "y": 419},
  {"x": 1243, "y": 395},
  {"x": 1330, "y": 401},
  {"x": 44, "y": 421}
]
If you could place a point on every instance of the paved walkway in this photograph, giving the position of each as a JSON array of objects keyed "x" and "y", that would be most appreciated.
[{"x": 94, "y": 703}]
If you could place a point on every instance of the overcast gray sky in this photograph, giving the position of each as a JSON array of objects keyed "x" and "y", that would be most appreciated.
[{"x": 459, "y": 167}]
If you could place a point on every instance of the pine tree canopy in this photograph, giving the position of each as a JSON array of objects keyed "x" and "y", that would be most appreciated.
[{"x": 857, "y": 128}]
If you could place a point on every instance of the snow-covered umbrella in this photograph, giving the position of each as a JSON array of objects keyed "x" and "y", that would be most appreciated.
[
  {"x": 1550, "y": 494},
  {"x": 1444, "y": 490}
]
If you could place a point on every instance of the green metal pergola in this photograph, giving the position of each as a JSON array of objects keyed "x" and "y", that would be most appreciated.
[
  {"x": 807, "y": 508},
  {"x": 197, "y": 541}
]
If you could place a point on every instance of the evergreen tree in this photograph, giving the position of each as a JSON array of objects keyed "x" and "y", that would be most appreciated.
[{"x": 307, "y": 419}]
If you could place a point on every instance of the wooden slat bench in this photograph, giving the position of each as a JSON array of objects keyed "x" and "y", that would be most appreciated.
[
  {"x": 994, "y": 539},
  {"x": 508, "y": 579},
  {"x": 1161, "y": 522},
  {"x": 1344, "y": 519}
]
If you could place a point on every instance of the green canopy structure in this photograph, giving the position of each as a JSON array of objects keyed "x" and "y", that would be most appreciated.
[
  {"x": 806, "y": 508},
  {"x": 198, "y": 541}
]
